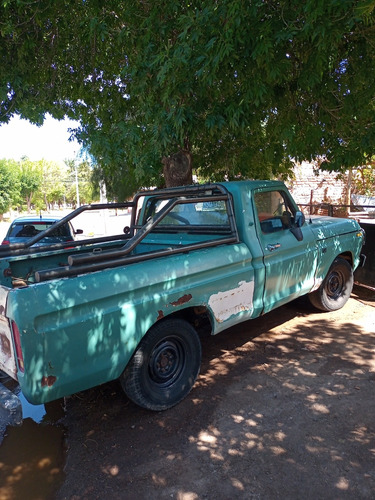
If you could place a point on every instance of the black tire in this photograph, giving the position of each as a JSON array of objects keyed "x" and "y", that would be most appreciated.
[
  {"x": 164, "y": 367},
  {"x": 336, "y": 287}
]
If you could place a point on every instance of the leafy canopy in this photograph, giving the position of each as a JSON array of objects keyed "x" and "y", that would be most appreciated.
[{"x": 241, "y": 85}]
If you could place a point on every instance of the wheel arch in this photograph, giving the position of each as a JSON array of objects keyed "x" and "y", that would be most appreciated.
[
  {"x": 326, "y": 264},
  {"x": 348, "y": 256},
  {"x": 199, "y": 317}
]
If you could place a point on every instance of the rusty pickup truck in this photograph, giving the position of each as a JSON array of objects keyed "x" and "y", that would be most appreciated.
[{"x": 130, "y": 306}]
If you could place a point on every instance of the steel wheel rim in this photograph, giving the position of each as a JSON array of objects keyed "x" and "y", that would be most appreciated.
[
  {"x": 167, "y": 362},
  {"x": 334, "y": 285}
]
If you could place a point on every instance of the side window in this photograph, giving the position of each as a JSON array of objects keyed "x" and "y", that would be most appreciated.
[{"x": 273, "y": 210}]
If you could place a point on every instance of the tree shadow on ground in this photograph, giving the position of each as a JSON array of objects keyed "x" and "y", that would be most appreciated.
[{"x": 283, "y": 408}]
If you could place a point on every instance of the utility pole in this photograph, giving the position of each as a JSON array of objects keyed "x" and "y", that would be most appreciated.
[{"x": 77, "y": 188}]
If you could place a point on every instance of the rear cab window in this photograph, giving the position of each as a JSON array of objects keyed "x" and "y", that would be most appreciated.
[
  {"x": 185, "y": 220},
  {"x": 196, "y": 214}
]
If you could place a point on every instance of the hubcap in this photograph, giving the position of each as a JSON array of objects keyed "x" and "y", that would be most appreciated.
[
  {"x": 334, "y": 285},
  {"x": 167, "y": 362}
]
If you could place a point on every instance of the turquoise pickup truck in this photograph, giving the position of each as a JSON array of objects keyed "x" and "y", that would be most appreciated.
[{"x": 130, "y": 306}]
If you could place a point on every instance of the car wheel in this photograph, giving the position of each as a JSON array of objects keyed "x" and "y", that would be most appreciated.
[
  {"x": 335, "y": 289},
  {"x": 164, "y": 367}
]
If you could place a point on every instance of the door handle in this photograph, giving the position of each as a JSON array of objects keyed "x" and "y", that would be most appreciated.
[{"x": 273, "y": 246}]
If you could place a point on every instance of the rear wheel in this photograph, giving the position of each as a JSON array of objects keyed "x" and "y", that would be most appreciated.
[
  {"x": 335, "y": 289},
  {"x": 164, "y": 367}
]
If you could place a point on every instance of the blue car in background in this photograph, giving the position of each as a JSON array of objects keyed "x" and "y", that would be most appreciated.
[{"x": 24, "y": 228}]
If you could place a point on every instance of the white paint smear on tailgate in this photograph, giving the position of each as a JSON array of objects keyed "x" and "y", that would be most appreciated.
[
  {"x": 7, "y": 359},
  {"x": 231, "y": 302}
]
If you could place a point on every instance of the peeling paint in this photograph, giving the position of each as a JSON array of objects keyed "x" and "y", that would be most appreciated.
[
  {"x": 317, "y": 283},
  {"x": 7, "y": 360},
  {"x": 232, "y": 302},
  {"x": 182, "y": 300},
  {"x": 7, "y": 272},
  {"x": 5, "y": 345},
  {"x": 3, "y": 299},
  {"x": 48, "y": 381}
]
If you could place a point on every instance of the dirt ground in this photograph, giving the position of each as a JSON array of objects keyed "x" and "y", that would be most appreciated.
[{"x": 284, "y": 408}]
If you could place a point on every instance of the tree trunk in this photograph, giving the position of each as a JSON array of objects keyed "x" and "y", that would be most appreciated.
[
  {"x": 28, "y": 202},
  {"x": 348, "y": 194},
  {"x": 178, "y": 169}
]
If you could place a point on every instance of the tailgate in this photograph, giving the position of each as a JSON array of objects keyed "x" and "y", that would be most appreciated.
[{"x": 7, "y": 359}]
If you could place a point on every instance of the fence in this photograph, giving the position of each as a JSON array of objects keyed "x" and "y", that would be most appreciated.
[{"x": 353, "y": 211}]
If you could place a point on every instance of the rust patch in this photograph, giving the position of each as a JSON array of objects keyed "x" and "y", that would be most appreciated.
[
  {"x": 182, "y": 300},
  {"x": 5, "y": 345},
  {"x": 160, "y": 316},
  {"x": 7, "y": 272},
  {"x": 48, "y": 381}
]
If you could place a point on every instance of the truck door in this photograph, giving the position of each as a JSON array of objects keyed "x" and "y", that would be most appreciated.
[{"x": 290, "y": 258}]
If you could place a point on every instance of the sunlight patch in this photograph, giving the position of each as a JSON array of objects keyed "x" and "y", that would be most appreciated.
[{"x": 342, "y": 484}]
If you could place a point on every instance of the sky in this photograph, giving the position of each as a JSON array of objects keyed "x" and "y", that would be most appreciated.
[{"x": 51, "y": 142}]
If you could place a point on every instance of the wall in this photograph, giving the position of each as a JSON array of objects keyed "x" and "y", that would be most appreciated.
[{"x": 311, "y": 185}]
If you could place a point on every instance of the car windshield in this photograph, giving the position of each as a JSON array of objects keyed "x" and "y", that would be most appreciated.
[{"x": 30, "y": 229}]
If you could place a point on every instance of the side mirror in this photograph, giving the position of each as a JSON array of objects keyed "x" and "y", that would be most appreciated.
[
  {"x": 296, "y": 230},
  {"x": 299, "y": 219}
]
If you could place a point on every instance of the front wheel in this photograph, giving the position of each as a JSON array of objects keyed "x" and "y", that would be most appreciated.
[
  {"x": 164, "y": 367},
  {"x": 336, "y": 287}
]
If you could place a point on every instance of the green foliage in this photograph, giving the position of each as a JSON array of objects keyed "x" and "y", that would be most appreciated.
[
  {"x": 363, "y": 180},
  {"x": 30, "y": 176},
  {"x": 39, "y": 185},
  {"x": 50, "y": 188},
  {"x": 244, "y": 86},
  {"x": 9, "y": 185},
  {"x": 86, "y": 183}
]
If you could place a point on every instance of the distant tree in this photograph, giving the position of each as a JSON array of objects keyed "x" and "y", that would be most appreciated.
[
  {"x": 86, "y": 184},
  {"x": 363, "y": 180},
  {"x": 30, "y": 180},
  {"x": 229, "y": 88},
  {"x": 53, "y": 188},
  {"x": 9, "y": 185}
]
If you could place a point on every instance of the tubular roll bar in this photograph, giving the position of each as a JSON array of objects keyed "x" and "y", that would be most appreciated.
[
  {"x": 66, "y": 271},
  {"x": 103, "y": 259},
  {"x": 142, "y": 233},
  {"x": 11, "y": 249},
  {"x": 96, "y": 261}
]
